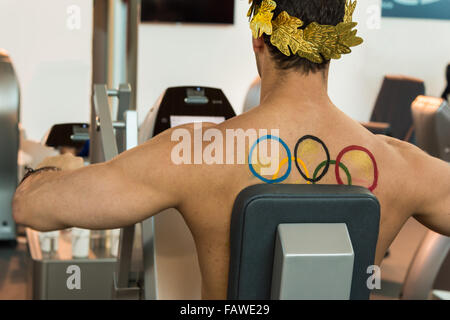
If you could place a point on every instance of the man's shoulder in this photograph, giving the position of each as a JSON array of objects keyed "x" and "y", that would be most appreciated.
[
  {"x": 398, "y": 149},
  {"x": 393, "y": 142},
  {"x": 415, "y": 170}
]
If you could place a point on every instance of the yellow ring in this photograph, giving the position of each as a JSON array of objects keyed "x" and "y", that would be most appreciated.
[{"x": 284, "y": 161}]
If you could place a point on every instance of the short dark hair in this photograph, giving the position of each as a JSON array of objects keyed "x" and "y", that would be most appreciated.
[{"x": 325, "y": 12}]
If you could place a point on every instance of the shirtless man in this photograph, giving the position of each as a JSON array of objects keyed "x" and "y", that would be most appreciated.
[{"x": 144, "y": 181}]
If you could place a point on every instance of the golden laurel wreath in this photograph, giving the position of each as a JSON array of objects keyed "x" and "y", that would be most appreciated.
[{"x": 316, "y": 42}]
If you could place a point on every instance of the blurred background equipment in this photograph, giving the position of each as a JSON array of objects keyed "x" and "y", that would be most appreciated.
[
  {"x": 446, "y": 93},
  {"x": 9, "y": 143},
  {"x": 393, "y": 106},
  {"x": 253, "y": 97},
  {"x": 429, "y": 268},
  {"x": 69, "y": 137},
  {"x": 170, "y": 264},
  {"x": 51, "y": 254},
  {"x": 432, "y": 122}
]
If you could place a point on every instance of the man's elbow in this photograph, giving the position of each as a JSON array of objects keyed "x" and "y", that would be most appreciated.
[
  {"x": 18, "y": 211},
  {"x": 21, "y": 211},
  {"x": 26, "y": 215}
]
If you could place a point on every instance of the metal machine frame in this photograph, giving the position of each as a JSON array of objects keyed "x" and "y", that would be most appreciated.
[
  {"x": 425, "y": 266},
  {"x": 112, "y": 145},
  {"x": 48, "y": 271}
]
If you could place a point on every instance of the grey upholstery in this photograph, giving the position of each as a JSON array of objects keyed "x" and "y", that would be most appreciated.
[{"x": 259, "y": 209}]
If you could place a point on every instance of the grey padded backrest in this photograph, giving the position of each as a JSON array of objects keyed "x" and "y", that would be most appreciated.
[{"x": 259, "y": 209}]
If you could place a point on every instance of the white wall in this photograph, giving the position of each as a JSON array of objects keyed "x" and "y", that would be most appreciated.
[
  {"x": 203, "y": 55},
  {"x": 415, "y": 47},
  {"x": 221, "y": 56},
  {"x": 50, "y": 43}
]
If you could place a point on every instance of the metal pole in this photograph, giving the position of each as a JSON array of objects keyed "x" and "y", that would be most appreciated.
[{"x": 134, "y": 19}]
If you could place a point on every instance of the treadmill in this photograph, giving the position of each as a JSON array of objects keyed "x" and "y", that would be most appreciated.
[{"x": 170, "y": 262}]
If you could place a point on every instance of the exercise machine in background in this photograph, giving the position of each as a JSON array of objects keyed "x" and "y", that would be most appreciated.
[
  {"x": 392, "y": 111},
  {"x": 51, "y": 270},
  {"x": 171, "y": 269},
  {"x": 432, "y": 122},
  {"x": 446, "y": 93},
  {"x": 9, "y": 143}
]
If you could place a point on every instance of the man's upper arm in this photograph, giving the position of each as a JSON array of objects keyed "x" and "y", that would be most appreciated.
[
  {"x": 431, "y": 179},
  {"x": 147, "y": 179}
]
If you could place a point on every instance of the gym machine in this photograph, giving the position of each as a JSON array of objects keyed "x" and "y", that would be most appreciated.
[
  {"x": 432, "y": 125},
  {"x": 9, "y": 143},
  {"x": 51, "y": 273}
]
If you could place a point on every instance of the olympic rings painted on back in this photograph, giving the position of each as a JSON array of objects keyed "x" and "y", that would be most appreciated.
[
  {"x": 289, "y": 156},
  {"x": 299, "y": 162}
]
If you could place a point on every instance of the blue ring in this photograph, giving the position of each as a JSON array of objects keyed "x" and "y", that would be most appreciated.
[{"x": 288, "y": 172}]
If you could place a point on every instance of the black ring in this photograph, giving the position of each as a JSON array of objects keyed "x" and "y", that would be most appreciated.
[{"x": 325, "y": 170}]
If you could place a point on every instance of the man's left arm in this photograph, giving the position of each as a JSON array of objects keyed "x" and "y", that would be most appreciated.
[{"x": 432, "y": 191}]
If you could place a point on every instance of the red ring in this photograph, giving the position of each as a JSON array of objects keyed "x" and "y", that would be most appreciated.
[{"x": 357, "y": 148}]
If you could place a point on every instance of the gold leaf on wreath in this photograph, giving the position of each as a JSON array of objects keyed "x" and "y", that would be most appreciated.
[
  {"x": 349, "y": 10},
  {"x": 262, "y": 21},
  {"x": 286, "y": 35},
  {"x": 333, "y": 41},
  {"x": 347, "y": 36},
  {"x": 250, "y": 10}
]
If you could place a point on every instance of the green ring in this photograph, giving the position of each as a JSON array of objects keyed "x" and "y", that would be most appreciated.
[{"x": 341, "y": 165}]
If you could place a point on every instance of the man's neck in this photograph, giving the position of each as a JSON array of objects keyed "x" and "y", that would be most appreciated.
[{"x": 293, "y": 88}]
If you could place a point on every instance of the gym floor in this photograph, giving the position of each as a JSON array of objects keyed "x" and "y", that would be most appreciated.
[
  {"x": 13, "y": 270},
  {"x": 13, "y": 260}
]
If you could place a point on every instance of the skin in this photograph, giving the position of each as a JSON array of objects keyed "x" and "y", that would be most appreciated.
[{"x": 142, "y": 182}]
